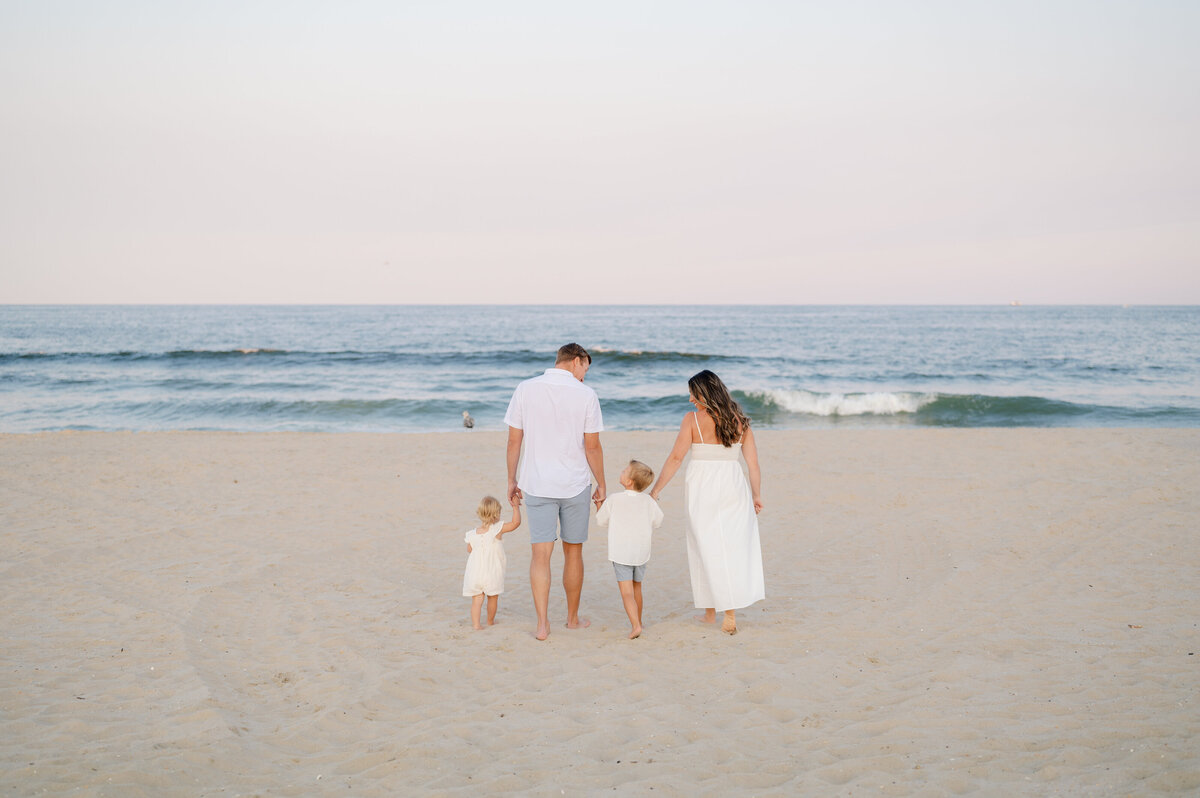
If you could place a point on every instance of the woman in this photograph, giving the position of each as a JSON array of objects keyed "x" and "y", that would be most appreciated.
[{"x": 722, "y": 525}]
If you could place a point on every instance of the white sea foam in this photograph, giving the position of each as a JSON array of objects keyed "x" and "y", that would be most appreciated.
[{"x": 848, "y": 404}]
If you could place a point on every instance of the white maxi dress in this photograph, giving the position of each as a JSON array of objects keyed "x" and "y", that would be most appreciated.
[{"x": 724, "y": 556}]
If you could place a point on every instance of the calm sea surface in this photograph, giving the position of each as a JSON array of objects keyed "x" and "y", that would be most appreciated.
[{"x": 412, "y": 368}]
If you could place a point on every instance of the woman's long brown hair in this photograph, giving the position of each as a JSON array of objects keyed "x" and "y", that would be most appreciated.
[{"x": 707, "y": 389}]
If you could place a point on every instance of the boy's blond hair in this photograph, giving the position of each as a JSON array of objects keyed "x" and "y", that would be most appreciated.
[
  {"x": 640, "y": 475},
  {"x": 488, "y": 510}
]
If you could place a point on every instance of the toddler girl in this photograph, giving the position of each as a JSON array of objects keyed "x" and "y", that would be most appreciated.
[{"x": 485, "y": 558}]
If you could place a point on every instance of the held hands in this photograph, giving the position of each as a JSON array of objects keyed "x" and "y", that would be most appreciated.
[
  {"x": 514, "y": 494},
  {"x": 599, "y": 496}
]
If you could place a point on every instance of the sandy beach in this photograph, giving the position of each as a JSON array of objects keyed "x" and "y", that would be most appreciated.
[{"x": 995, "y": 612}]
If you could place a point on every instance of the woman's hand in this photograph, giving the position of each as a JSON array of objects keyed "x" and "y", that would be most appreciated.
[{"x": 758, "y": 505}]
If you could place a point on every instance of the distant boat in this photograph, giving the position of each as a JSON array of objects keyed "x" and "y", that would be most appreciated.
[{"x": 1016, "y": 303}]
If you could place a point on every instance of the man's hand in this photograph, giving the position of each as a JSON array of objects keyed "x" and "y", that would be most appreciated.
[
  {"x": 599, "y": 496},
  {"x": 514, "y": 493}
]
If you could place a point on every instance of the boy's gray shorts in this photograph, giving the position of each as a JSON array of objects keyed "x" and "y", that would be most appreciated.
[
  {"x": 628, "y": 572},
  {"x": 546, "y": 516}
]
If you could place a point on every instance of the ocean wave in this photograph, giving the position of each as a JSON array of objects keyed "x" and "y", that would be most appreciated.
[
  {"x": 606, "y": 354},
  {"x": 842, "y": 404},
  {"x": 951, "y": 410}
]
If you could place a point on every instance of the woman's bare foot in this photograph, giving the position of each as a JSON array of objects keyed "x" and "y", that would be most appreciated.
[
  {"x": 729, "y": 624},
  {"x": 543, "y": 631},
  {"x": 580, "y": 623},
  {"x": 476, "y": 627},
  {"x": 636, "y": 633},
  {"x": 709, "y": 616}
]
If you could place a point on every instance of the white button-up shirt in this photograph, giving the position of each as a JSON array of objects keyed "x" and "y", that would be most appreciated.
[
  {"x": 554, "y": 411},
  {"x": 631, "y": 518}
]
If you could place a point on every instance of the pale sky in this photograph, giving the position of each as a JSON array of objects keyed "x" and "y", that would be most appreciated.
[{"x": 616, "y": 152}]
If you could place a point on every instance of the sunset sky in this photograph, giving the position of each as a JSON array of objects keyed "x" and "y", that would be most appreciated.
[{"x": 618, "y": 152}]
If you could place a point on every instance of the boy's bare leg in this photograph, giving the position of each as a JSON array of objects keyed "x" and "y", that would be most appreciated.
[
  {"x": 476, "y": 606},
  {"x": 637, "y": 596},
  {"x": 630, "y": 601},
  {"x": 573, "y": 583},
  {"x": 729, "y": 625},
  {"x": 493, "y": 604},
  {"x": 539, "y": 585}
]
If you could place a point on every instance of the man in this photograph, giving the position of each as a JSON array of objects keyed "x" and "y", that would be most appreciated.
[{"x": 558, "y": 420}]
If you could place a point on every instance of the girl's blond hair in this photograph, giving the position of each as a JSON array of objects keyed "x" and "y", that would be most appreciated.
[{"x": 488, "y": 510}]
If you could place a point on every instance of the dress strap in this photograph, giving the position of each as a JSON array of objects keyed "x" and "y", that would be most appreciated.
[{"x": 696, "y": 418}]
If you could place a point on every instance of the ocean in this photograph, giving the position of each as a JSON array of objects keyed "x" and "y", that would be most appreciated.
[{"x": 417, "y": 368}]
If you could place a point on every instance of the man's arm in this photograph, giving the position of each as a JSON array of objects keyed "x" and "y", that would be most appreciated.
[
  {"x": 513, "y": 456},
  {"x": 595, "y": 458}
]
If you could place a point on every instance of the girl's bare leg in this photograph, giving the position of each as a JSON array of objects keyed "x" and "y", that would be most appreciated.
[
  {"x": 631, "y": 607},
  {"x": 729, "y": 625},
  {"x": 476, "y": 606},
  {"x": 493, "y": 604}
]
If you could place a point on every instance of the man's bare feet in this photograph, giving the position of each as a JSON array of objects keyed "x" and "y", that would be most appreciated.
[
  {"x": 580, "y": 623},
  {"x": 729, "y": 624},
  {"x": 636, "y": 633},
  {"x": 543, "y": 631}
]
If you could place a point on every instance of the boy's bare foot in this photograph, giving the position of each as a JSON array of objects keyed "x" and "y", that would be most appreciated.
[
  {"x": 729, "y": 625},
  {"x": 636, "y": 633},
  {"x": 580, "y": 623}
]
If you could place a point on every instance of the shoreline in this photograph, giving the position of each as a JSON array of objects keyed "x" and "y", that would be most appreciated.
[{"x": 949, "y": 609}]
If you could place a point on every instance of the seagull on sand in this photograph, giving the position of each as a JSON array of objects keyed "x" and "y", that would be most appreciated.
[{"x": 468, "y": 422}]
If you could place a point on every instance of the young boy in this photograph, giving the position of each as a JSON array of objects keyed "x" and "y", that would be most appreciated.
[{"x": 631, "y": 517}]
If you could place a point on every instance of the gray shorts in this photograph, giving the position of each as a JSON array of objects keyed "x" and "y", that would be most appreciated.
[
  {"x": 546, "y": 516},
  {"x": 626, "y": 573}
]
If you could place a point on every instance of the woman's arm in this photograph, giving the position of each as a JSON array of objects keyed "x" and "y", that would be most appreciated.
[
  {"x": 683, "y": 442},
  {"x": 750, "y": 452}
]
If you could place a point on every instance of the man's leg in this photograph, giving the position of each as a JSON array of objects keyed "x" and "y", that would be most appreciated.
[
  {"x": 539, "y": 584},
  {"x": 573, "y": 583},
  {"x": 543, "y": 531},
  {"x": 573, "y": 527}
]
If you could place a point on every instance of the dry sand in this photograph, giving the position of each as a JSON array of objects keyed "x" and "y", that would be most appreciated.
[{"x": 1001, "y": 612}]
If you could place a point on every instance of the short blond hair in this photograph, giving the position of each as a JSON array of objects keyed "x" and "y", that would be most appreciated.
[
  {"x": 488, "y": 510},
  {"x": 640, "y": 475}
]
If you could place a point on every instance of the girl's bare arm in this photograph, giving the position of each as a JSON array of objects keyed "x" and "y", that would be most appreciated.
[{"x": 514, "y": 523}]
